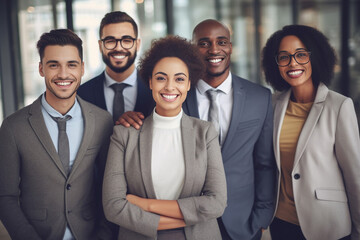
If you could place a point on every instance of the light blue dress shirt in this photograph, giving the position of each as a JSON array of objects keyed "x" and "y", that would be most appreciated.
[
  {"x": 129, "y": 93},
  {"x": 74, "y": 130}
]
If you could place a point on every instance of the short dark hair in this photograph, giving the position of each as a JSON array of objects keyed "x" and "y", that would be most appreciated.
[
  {"x": 323, "y": 58},
  {"x": 172, "y": 46},
  {"x": 60, "y": 37},
  {"x": 117, "y": 17}
]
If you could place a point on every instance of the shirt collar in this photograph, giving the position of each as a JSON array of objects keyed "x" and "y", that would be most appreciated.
[
  {"x": 131, "y": 80},
  {"x": 225, "y": 87},
  {"x": 74, "y": 111}
]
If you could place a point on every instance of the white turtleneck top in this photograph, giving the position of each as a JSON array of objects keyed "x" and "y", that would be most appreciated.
[{"x": 167, "y": 157}]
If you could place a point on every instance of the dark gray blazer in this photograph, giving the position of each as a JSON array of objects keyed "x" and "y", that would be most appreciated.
[
  {"x": 248, "y": 158},
  {"x": 37, "y": 199},
  {"x": 128, "y": 170}
]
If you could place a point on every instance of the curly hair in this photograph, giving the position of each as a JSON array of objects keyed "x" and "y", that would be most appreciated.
[
  {"x": 172, "y": 46},
  {"x": 323, "y": 58}
]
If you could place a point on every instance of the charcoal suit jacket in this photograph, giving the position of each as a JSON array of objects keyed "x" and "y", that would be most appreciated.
[
  {"x": 93, "y": 92},
  {"x": 248, "y": 159}
]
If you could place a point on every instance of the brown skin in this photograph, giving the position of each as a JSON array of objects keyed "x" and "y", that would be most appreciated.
[
  {"x": 170, "y": 214},
  {"x": 169, "y": 84},
  {"x": 213, "y": 40},
  {"x": 296, "y": 75}
]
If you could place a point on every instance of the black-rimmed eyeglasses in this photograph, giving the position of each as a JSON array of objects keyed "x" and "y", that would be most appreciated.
[
  {"x": 283, "y": 59},
  {"x": 111, "y": 43}
]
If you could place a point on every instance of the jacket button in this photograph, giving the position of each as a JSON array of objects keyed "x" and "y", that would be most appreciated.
[
  {"x": 297, "y": 176},
  {"x": 68, "y": 187}
]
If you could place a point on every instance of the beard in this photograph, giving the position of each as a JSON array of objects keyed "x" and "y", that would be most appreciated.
[{"x": 131, "y": 60}]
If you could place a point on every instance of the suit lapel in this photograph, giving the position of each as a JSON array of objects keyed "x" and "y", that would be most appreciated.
[
  {"x": 236, "y": 114},
  {"x": 89, "y": 123},
  {"x": 311, "y": 121},
  {"x": 189, "y": 145},
  {"x": 279, "y": 114},
  {"x": 190, "y": 105},
  {"x": 145, "y": 146},
  {"x": 37, "y": 123}
]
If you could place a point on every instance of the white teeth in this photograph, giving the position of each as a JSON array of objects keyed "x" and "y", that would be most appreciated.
[
  {"x": 170, "y": 97},
  {"x": 63, "y": 83},
  {"x": 293, "y": 73},
  {"x": 119, "y": 56},
  {"x": 215, "y": 60}
]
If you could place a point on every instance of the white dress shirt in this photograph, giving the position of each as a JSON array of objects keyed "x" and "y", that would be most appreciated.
[
  {"x": 129, "y": 93},
  {"x": 167, "y": 157},
  {"x": 224, "y": 100}
]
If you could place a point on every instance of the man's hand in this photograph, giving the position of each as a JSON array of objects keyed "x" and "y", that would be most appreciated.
[{"x": 130, "y": 118}]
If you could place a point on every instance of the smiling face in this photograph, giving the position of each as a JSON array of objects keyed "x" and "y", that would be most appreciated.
[
  {"x": 62, "y": 69},
  {"x": 213, "y": 41},
  {"x": 169, "y": 84},
  {"x": 295, "y": 74},
  {"x": 119, "y": 60}
]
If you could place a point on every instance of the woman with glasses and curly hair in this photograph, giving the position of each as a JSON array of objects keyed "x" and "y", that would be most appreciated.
[
  {"x": 316, "y": 140},
  {"x": 166, "y": 180}
]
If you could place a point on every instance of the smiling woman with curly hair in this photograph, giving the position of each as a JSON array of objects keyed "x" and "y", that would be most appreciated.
[
  {"x": 316, "y": 140},
  {"x": 166, "y": 180}
]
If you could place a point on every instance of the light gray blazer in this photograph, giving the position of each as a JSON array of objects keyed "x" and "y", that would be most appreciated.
[
  {"x": 37, "y": 198},
  {"x": 327, "y": 158},
  {"x": 128, "y": 170}
]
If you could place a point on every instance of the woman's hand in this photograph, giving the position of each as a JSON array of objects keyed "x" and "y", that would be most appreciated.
[{"x": 142, "y": 203}]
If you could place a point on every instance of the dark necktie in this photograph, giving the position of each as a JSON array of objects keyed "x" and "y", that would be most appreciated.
[
  {"x": 214, "y": 110},
  {"x": 63, "y": 142},
  {"x": 118, "y": 105}
]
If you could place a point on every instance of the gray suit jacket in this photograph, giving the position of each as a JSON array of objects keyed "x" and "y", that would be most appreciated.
[
  {"x": 248, "y": 158},
  {"x": 128, "y": 170},
  {"x": 327, "y": 161},
  {"x": 37, "y": 199}
]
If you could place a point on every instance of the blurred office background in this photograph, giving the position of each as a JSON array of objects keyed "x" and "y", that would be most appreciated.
[{"x": 252, "y": 22}]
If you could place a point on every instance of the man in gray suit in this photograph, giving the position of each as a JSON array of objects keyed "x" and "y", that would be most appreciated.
[
  {"x": 245, "y": 124},
  {"x": 50, "y": 176},
  {"x": 245, "y": 129}
]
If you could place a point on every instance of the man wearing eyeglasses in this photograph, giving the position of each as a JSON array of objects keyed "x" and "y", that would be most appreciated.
[{"x": 118, "y": 89}]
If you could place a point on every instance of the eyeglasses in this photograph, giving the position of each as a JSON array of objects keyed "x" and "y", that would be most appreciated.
[
  {"x": 283, "y": 59},
  {"x": 111, "y": 43}
]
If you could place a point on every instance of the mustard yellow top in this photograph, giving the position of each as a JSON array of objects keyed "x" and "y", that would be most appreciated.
[{"x": 295, "y": 117}]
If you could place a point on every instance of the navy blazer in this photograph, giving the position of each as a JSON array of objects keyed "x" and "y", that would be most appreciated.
[
  {"x": 248, "y": 158},
  {"x": 93, "y": 92}
]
